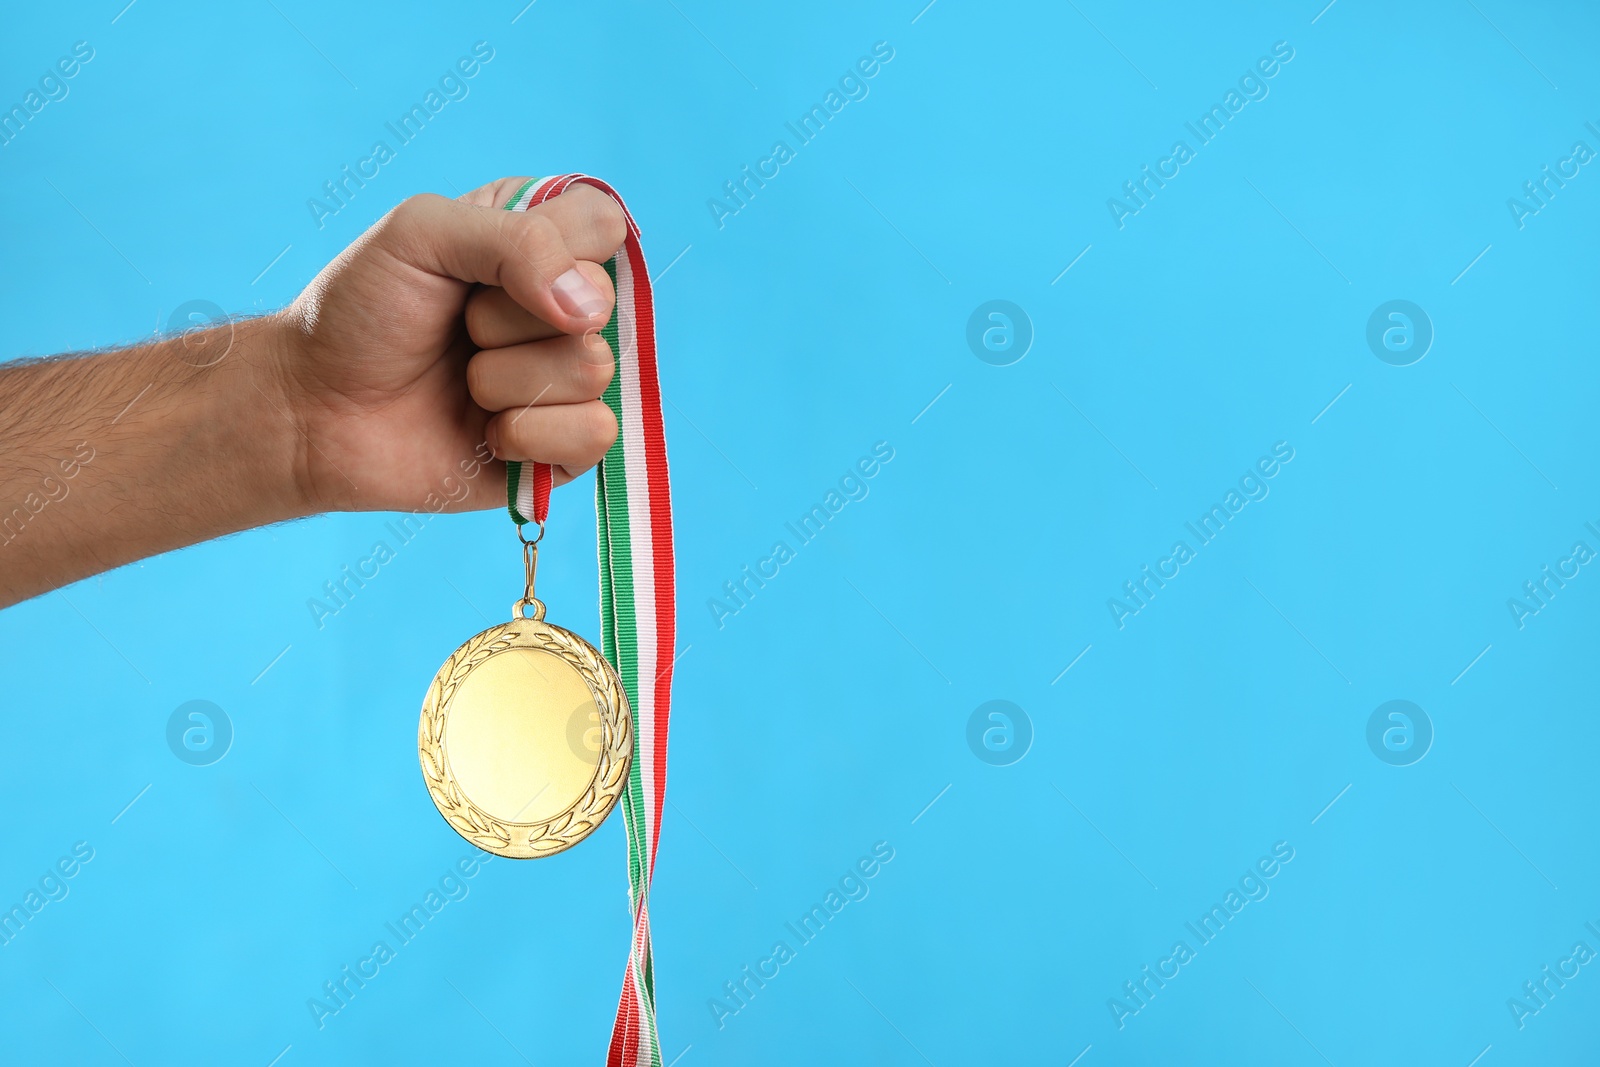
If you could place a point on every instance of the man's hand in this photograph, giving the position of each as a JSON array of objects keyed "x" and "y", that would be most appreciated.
[
  {"x": 451, "y": 332},
  {"x": 448, "y": 325}
]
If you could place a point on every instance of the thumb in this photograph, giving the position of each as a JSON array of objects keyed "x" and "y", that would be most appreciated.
[{"x": 524, "y": 253}]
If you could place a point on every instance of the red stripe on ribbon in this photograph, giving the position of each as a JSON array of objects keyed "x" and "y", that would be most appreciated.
[{"x": 543, "y": 480}]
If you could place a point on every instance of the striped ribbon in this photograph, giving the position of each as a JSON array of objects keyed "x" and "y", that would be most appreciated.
[{"x": 637, "y": 626}]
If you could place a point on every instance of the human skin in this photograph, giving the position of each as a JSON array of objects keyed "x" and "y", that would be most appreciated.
[{"x": 449, "y": 330}]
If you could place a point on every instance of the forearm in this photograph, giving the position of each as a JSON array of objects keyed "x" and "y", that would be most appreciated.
[
  {"x": 450, "y": 330},
  {"x": 113, "y": 457}
]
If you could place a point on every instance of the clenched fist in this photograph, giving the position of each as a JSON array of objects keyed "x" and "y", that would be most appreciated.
[
  {"x": 449, "y": 324},
  {"x": 450, "y": 337}
]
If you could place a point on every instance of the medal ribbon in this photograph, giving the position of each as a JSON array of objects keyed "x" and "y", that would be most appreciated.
[{"x": 637, "y": 625}]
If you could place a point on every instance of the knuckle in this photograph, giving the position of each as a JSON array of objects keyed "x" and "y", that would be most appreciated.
[
  {"x": 524, "y": 249},
  {"x": 414, "y": 207},
  {"x": 478, "y": 323},
  {"x": 596, "y": 377},
  {"x": 610, "y": 222},
  {"x": 538, "y": 242},
  {"x": 505, "y": 188},
  {"x": 479, "y": 378},
  {"x": 597, "y": 214},
  {"x": 405, "y": 230},
  {"x": 602, "y": 427},
  {"x": 538, "y": 233},
  {"x": 510, "y": 438},
  {"x": 494, "y": 436}
]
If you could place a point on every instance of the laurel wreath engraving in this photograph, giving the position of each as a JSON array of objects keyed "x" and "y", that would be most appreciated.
[{"x": 527, "y": 840}]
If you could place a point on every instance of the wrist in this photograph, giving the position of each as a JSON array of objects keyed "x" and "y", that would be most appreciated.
[
  {"x": 212, "y": 432},
  {"x": 249, "y": 417}
]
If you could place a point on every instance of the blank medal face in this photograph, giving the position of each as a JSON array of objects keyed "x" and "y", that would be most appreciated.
[
  {"x": 509, "y": 740},
  {"x": 525, "y": 739}
]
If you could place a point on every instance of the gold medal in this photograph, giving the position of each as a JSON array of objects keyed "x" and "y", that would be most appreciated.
[{"x": 526, "y": 735}]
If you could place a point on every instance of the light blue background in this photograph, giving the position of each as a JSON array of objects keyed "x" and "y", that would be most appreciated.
[{"x": 829, "y": 712}]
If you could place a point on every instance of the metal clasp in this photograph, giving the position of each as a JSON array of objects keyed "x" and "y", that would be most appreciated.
[{"x": 530, "y": 566}]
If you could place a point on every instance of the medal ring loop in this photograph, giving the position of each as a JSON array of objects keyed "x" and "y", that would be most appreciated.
[
  {"x": 520, "y": 608},
  {"x": 521, "y": 537}
]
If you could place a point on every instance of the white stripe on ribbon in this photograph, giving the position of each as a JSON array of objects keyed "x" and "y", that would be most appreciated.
[{"x": 641, "y": 556}]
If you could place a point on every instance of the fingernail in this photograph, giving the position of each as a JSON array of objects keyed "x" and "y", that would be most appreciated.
[
  {"x": 577, "y": 297},
  {"x": 595, "y": 349}
]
